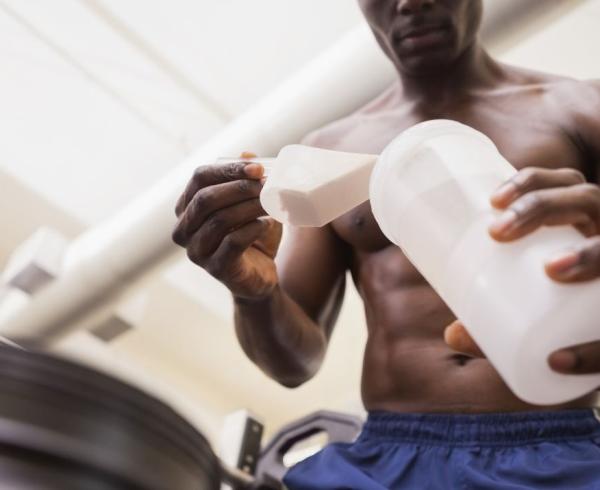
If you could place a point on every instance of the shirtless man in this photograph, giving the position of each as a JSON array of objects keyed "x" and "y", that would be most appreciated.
[{"x": 437, "y": 418}]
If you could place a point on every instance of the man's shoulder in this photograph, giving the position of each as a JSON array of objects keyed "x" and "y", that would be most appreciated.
[
  {"x": 576, "y": 103},
  {"x": 332, "y": 135},
  {"x": 581, "y": 93},
  {"x": 570, "y": 98},
  {"x": 552, "y": 84},
  {"x": 569, "y": 89},
  {"x": 577, "y": 107},
  {"x": 570, "y": 93}
]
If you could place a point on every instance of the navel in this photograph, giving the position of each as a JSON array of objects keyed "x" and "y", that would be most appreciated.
[{"x": 359, "y": 221}]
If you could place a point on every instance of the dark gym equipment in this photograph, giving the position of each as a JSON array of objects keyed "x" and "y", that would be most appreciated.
[
  {"x": 64, "y": 426},
  {"x": 271, "y": 468},
  {"x": 338, "y": 428}
]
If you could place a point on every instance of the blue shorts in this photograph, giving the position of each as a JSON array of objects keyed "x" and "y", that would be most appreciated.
[{"x": 501, "y": 451}]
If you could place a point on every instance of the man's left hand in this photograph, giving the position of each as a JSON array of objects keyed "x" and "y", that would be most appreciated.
[{"x": 537, "y": 197}]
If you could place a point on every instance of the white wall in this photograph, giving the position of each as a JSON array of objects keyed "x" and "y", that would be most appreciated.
[
  {"x": 568, "y": 46},
  {"x": 100, "y": 98}
]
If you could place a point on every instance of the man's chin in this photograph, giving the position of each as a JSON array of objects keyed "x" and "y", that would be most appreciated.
[{"x": 425, "y": 64}]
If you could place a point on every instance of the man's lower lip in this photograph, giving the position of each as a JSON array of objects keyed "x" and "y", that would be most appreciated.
[{"x": 426, "y": 39}]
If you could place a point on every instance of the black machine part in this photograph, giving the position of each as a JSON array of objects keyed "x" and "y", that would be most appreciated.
[
  {"x": 66, "y": 426},
  {"x": 271, "y": 468}
]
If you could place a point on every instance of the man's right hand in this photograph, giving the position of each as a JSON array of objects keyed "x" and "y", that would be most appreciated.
[{"x": 224, "y": 229}]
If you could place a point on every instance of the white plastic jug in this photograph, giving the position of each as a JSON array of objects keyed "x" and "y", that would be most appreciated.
[{"x": 430, "y": 193}]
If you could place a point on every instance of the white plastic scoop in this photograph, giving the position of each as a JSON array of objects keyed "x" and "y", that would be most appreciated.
[{"x": 309, "y": 186}]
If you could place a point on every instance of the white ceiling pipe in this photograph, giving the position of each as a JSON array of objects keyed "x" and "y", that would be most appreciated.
[
  {"x": 106, "y": 259},
  {"x": 116, "y": 255}
]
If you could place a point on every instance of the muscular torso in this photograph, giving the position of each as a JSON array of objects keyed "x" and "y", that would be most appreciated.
[{"x": 407, "y": 365}]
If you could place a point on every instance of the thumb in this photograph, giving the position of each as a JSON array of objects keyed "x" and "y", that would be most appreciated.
[{"x": 457, "y": 338}]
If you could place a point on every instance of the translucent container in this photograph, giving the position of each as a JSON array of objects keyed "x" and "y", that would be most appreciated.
[
  {"x": 430, "y": 193},
  {"x": 309, "y": 186}
]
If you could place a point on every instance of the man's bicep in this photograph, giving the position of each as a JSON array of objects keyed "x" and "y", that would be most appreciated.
[{"x": 312, "y": 264}]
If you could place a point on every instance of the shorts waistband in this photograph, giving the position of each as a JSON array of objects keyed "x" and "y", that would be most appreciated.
[{"x": 510, "y": 428}]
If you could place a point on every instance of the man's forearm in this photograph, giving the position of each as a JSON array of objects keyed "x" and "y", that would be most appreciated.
[{"x": 280, "y": 338}]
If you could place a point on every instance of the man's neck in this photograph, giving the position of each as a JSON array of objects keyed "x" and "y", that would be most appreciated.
[{"x": 473, "y": 70}]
